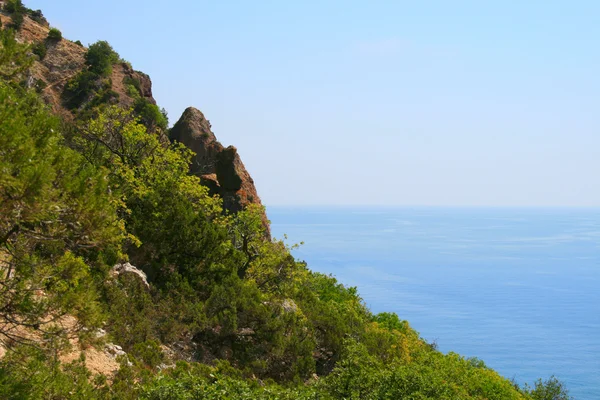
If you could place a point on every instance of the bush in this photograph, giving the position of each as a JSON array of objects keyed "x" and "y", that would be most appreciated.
[
  {"x": 54, "y": 35},
  {"x": 150, "y": 114},
  {"x": 13, "y": 6},
  {"x": 78, "y": 43},
  {"x": 39, "y": 49},
  {"x": 101, "y": 57},
  {"x": 17, "y": 20},
  {"x": 37, "y": 16},
  {"x": 550, "y": 389},
  {"x": 40, "y": 85},
  {"x": 80, "y": 88}
]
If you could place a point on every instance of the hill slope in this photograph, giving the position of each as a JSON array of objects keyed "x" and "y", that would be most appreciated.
[{"x": 215, "y": 308}]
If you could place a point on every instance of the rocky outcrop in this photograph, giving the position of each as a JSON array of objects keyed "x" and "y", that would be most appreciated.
[
  {"x": 130, "y": 269},
  {"x": 219, "y": 168},
  {"x": 121, "y": 74}
]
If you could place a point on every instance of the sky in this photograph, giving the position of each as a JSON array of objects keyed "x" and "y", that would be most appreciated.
[{"x": 419, "y": 103}]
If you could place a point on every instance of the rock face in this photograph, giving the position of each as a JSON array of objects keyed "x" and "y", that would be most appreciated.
[{"x": 219, "y": 168}]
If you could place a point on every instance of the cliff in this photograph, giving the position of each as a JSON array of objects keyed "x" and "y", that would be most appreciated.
[{"x": 220, "y": 169}]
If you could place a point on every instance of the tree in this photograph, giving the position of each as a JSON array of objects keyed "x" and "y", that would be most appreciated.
[
  {"x": 54, "y": 35},
  {"x": 57, "y": 222},
  {"x": 550, "y": 389},
  {"x": 100, "y": 58}
]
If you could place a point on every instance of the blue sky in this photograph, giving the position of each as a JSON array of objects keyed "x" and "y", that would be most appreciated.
[{"x": 450, "y": 103}]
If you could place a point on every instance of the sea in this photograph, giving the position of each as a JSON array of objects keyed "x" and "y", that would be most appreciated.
[{"x": 518, "y": 288}]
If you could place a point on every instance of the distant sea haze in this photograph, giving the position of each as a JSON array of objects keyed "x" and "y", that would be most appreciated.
[{"x": 517, "y": 288}]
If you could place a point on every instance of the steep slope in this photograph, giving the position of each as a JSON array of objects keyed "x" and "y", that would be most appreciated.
[{"x": 220, "y": 169}]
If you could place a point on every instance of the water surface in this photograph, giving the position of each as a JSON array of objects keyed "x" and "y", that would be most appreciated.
[{"x": 518, "y": 288}]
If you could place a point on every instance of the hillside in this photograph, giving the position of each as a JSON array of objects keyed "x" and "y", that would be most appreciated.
[{"x": 137, "y": 261}]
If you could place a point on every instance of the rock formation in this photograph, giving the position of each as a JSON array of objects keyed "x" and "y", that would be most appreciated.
[
  {"x": 219, "y": 168},
  {"x": 130, "y": 269}
]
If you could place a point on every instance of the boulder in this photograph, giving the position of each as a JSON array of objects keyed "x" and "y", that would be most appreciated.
[{"x": 128, "y": 268}]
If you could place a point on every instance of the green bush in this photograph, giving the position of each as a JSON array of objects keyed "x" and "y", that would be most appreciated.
[
  {"x": 150, "y": 114},
  {"x": 17, "y": 20},
  {"x": 37, "y": 16},
  {"x": 39, "y": 49},
  {"x": 78, "y": 43},
  {"x": 13, "y": 6},
  {"x": 100, "y": 58},
  {"x": 80, "y": 88},
  {"x": 550, "y": 389},
  {"x": 54, "y": 35}
]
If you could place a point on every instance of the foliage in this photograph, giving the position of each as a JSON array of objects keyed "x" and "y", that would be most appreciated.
[
  {"x": 14, "y": 59},
  {"x": 78, "y": 197},
  {"x": 39, "y": 49},
  {"x": 149, "y": 113},
  {"x": 17, "y": 20},
  {"x": 550, "y": 389},
  {"x": 54, "y": 35},
  {"x": 89, "y": 90},
  {"x": 37, "y": 16},
  {"x": 17, "y": 11},
  {"x": 12, "y": 6},
  {"x": 56, "y": 217},
  {"x": 100, "y": 58},
  {"x": 92, "y": 87},
  {"x": 31, "y": 374}
]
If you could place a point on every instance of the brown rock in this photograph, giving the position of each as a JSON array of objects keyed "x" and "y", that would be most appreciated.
[{"x": 220, "y": 169}]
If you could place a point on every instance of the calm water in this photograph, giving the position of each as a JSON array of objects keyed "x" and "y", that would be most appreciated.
[{"x": 518, "y": 288}]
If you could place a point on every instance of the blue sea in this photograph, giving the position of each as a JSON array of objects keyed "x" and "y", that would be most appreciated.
[{"x": 517, "y": 288}]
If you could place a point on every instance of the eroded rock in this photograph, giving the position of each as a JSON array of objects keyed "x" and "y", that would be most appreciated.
[{"x": 220, "y": 168}]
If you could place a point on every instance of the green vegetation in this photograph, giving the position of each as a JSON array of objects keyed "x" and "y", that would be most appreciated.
[
  {"x": 14, "y": 6},
  {"x": 100, "y": 58},
  {"x": 39, "y": 49},
  {"x": 149, "y": 113},
  {"x": 92, "y": 86},
  {"x": 54, "y": 35},
  {"x": 18, "y": 12},
  {"x": 17, "y": 20},
  {"x": 77, "y": 197}
]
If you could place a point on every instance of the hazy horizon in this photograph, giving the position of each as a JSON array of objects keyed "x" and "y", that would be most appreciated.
[{"x": 386, "y": 103}]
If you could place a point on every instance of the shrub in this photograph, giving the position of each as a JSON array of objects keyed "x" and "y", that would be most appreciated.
[
  {"x": 550, "y": 389},
  {"x": 17, "y": 20},
  {"x": 80, "y": 88},
  {"x": 13, "y": 6},
  {"x": 150, "y": 114},
  {"x": 101, "y": 57},
  {"x": 78, "y": 43},
  {"x": 54, "y": 35},
  {"x": 39, "y": 49},
  {"x": 37, "y": 16},
  {"x": 40, "y": 85}
]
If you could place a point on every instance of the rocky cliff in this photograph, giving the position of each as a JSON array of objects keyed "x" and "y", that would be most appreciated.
[{"x": 219, "y": 168}]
